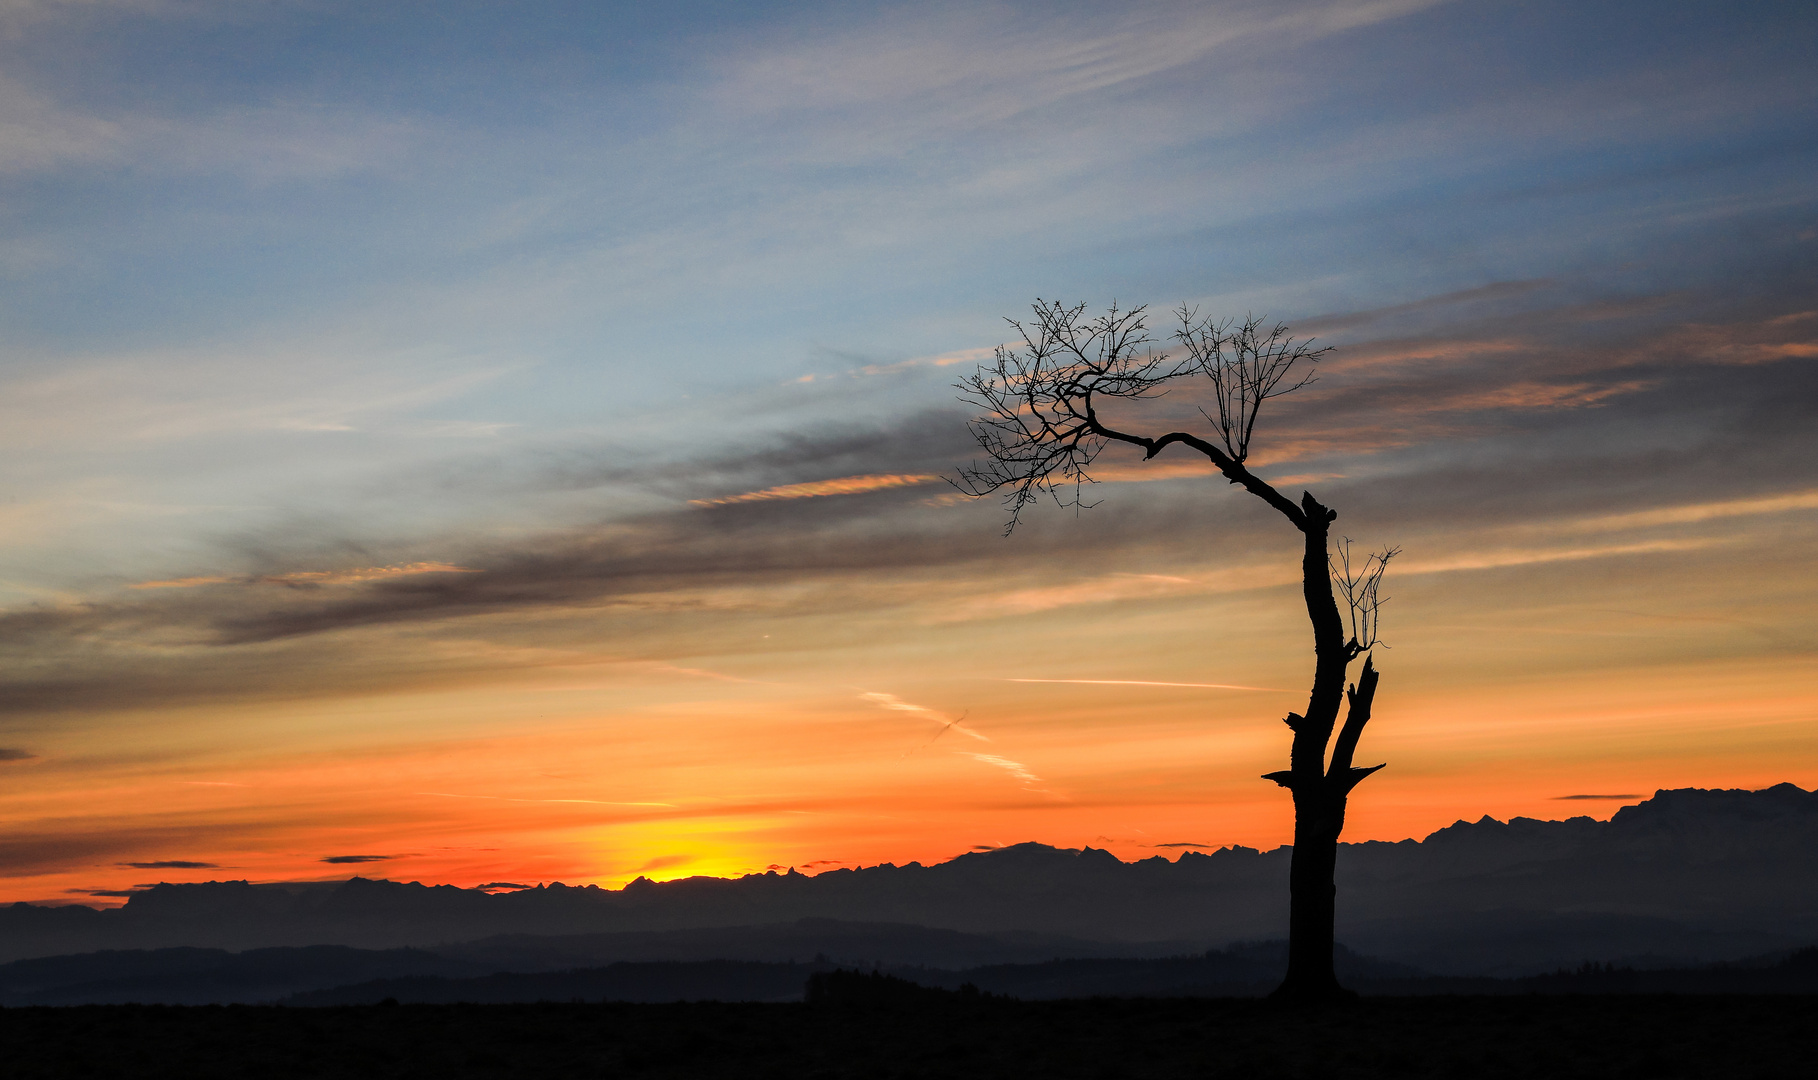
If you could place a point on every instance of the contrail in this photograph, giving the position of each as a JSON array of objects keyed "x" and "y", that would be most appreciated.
[
  {"x": 963, "y": 730},
  {"x": 1145, "y": 682},
  {"x": 897, "y": 704}
]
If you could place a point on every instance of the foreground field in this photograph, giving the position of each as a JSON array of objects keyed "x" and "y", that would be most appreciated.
[{"x": 1609, "y": 1038}]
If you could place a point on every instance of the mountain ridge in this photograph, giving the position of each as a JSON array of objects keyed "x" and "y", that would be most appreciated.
[{"x": 1694, "y": 874}]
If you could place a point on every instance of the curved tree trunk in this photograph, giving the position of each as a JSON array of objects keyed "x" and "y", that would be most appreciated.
[{"x": 1320, "y": 793}]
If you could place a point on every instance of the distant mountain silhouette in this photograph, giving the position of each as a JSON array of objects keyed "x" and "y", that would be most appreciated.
[
  {"x": 1243, "y": 971},
  {"x": 190, "y": 976},
  {"x": 335, "y": 975},
  {"x": 1686, "y": 876},
  {"x": 839, "y": 942}
]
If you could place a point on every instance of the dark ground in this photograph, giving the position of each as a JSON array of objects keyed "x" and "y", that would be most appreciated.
[{"x": 948, "y": 1036}]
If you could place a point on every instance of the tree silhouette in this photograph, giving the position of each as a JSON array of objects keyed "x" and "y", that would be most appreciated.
[{"x": 1041, "y": 430}]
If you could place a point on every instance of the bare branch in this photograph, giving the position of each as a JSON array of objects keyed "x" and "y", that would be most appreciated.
[
  {"x": 1359, "y": 699},
  {"x": 1247, "y": 366},
  {"x": 1040, "y": 430},
  {"x": 1361, "y": 585}
]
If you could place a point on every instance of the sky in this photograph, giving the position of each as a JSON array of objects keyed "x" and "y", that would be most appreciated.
[{"x": 482, "y": 443}]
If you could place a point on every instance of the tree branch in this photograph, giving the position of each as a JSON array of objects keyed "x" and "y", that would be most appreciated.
[
  {"x": 1040, "y": 429},
  {"x": 1358, "y": 698}
]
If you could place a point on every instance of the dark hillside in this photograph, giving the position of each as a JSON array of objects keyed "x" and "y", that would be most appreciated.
[{"x": 934, "y": 1036}]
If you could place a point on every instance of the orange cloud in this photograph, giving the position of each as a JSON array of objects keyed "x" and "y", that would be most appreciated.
[
  {"x": 1530, "y": 395},
  {"x": 364, "y": 573},
  {"x": 1146, "y": 682},
  {"x": 1491, "y": 560},
  {"x": 845, "y": 485},
  {"x": 183, "y": 583},
  {"x": 1682, "y": 515},
  {"x": 312, "y": 577}
]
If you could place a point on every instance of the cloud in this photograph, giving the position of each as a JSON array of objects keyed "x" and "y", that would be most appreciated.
[
  {"x": 1491, "y": 560},
  {"x": 962, "y": 356},
  {"x": 845, "y": 485},
  {"x": 1619, "y": 798},
  {"x": 182, "y": 583},
  {"x": 71, "y": 846},
  {"x": 896, "y": 704},
  {"x": 13, "y": 753},
  {"x": 171, "y": 864},
  {"x": 313, "y": 577},
  {"x": 664, "y": 861},
  {"x": 263, "y": 142},
  {"x": 1450, "y": 303},
  {"x": 1703, "y": 441},
  {"x": 984, "y": 65},
  {"x": 1183, "y": 844},
  {"x": 342, "y": 859},
  {"x": 1699, "y": 512},
  {"x": 1145, "y": 682},
  {"x": 1014, "y": 768},
  {"x": 142, "y": 402},
  {"x": 1105, "y": 589}
]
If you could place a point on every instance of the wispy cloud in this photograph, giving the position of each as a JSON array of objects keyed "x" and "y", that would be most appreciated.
[
  {"x": 984, "y": 67},
  {"x": 845, "y": 485},
  {"x": 893, "y": 703},
  {"x": 896, "y": 704},
  {"x": 312, "y": 577},
  {"x": 1490, "y": 560},
  {"x": 1014, "y": 768},
  {"x": 185, "y": 582},
  {"x": 1613, "y": 798},
  {"x": 1697, "y": 512},
  {"x": 1146, "y": 682},
  {"x": 1103, "y": 589},
  {"x": 948, "y": 359}
]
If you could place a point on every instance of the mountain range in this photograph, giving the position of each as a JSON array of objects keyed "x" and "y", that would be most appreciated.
[{"x": 1687, "y": 876}]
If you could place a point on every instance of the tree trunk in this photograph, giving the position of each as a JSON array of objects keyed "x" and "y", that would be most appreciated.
[
  {"x": 1320, "y": 794},
  {"x": 1312, "y": 904}
]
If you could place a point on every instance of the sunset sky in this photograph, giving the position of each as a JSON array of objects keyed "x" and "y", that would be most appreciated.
[{"x": 475, "y": 443}]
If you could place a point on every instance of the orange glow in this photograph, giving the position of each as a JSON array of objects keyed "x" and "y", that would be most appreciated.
[{"x": 845, "y": 485}]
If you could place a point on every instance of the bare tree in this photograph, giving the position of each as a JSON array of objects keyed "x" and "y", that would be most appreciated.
[{"x": 1041, "y": 430}]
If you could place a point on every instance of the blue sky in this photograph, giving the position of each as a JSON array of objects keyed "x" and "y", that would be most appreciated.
[
  {"x": 305, "y": 288},
  {"x": 551, "y": 225}
]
